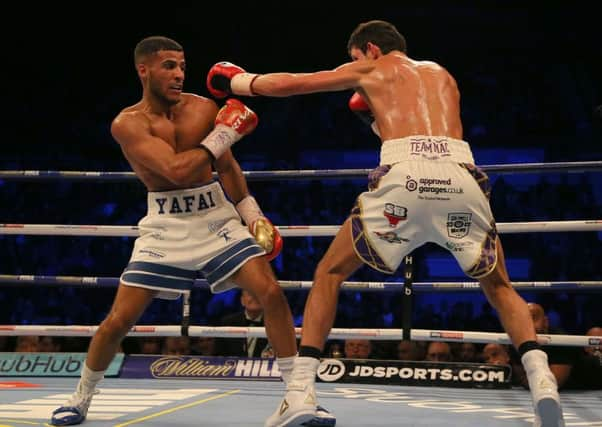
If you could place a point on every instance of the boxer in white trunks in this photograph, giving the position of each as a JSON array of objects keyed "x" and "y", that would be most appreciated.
[
  {"x": 426, "y": 189},
  {"x": 173, "y": 141}
]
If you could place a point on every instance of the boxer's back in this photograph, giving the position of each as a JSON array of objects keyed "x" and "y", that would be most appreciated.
[{"x": 411, "y": 97}]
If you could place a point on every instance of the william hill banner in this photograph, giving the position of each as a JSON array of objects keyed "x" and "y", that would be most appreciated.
[
  {"x": 202, "y": 367},
  {"x": 389, "y": 372},
  {"x": 395, "y": 372},
  {"x": 49, "y": 364}
]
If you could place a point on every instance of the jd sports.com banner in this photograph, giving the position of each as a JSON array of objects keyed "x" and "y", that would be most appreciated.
[{"x": 393, "y": 372}]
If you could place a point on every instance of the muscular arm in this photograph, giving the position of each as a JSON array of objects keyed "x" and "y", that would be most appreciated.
[
  {"x": 346, "y": 76},
  {"x": 140, "y": 147},
  {"x": 231, "y": 177}
]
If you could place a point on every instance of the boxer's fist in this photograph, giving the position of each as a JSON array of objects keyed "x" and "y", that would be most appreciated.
[
  {"x": 236, "y": 115},
  {"x": 267, "y": 236},
  {"x": 360, "y": 107},
  {"x": 233, "y": 121},
  {"x": 225, "y": 78}
]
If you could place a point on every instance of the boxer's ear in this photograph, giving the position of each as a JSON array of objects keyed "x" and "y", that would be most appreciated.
[
  {"x": 373, "y": 51},
  {"x": 141, "y": 69}
]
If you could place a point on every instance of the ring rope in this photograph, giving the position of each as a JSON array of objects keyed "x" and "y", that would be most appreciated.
[
  {"x": 111, "y": 282},
  {"x": 291, "y": 231},
  {"x": 336, "y": 333},
  {"x": 510, "y": 168},
  {"x": 285, "y": 230}
]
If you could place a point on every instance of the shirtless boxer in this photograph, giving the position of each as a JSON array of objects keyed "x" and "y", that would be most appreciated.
[
  {"x": 426, "y": 189},
  {"x": 171, "y": 140}
]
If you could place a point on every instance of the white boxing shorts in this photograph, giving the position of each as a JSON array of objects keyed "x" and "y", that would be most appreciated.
[
  {"x": 187, "y": 232},
  {"x": 426, "y": 189}
]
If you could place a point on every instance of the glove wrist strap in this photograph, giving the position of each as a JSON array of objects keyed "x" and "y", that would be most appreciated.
[
  {"x": 249, "y": 210},
  {"x": 220, "y": 139},
  {"x": 242, "y": 84}
]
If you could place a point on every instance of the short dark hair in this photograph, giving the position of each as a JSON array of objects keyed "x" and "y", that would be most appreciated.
[
  {"x": 381, "y": 33},
  {"x": 153, "y": 44}
]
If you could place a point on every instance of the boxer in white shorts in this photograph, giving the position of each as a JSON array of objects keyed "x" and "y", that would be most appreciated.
[
  {"x": 187, "y": 232},
  {"x": 174, "y": 141},
  {"x": 440, "y": 197},
  {"x": 429, "y": 191}
]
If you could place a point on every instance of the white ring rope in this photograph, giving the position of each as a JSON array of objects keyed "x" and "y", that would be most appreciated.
[
  {"x": 285, "y": 230},
  {"x": 335, "y": 333},
  {"x": 111, "y": 282}
]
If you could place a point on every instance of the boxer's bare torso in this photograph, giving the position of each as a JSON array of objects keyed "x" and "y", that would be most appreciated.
[{"x": 182, "y": 126}]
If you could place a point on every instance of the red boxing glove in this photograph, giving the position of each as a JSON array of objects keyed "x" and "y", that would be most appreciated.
[
  {"x": 266, "y": 235},
  {"x": 225, "y": 78},
  {"x": 233, "y": 121},
  {"x": 237, "y": 116},
  {"x": 360, "y": 107}
]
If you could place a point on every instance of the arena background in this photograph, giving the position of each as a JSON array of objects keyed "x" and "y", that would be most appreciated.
[{"x": 530, "y": 83}]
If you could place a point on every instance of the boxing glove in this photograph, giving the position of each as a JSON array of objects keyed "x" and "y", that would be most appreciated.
[
  {"x": 236, "y": 115},
  {"x": 233, "y": 121},
  {"x": 225, "y": 78},
  {"x": 266, "y": 235},
  {"x": 360, "y": 107}
]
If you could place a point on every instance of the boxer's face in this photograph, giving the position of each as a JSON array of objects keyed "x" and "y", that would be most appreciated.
[{"x": 165, "y": 73}]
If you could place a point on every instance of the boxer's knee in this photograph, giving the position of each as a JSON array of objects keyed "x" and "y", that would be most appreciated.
[
  {"x": 329, "y": 274},
  {"x": 272, "y": 295},
  {"x": 322, "y": 271},
  {"x": 116, "y": 325}
]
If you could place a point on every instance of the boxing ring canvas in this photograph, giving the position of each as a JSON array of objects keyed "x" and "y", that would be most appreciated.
[{"x": 154, "y": 403}]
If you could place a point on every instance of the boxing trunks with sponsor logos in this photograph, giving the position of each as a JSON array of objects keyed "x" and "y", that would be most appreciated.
[{"x": 426, "y": 189}]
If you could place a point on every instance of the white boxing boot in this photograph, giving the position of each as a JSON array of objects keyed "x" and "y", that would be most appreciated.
[{"x": 544, "y": 390}]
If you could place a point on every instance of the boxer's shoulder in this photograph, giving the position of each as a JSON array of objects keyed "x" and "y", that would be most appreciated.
[
  {"x": 130, "y": 116},
  {"x": 198, "y": 103}
]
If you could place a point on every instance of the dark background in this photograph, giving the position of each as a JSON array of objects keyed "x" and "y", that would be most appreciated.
[
  {"x": 530, "y": 78},
  {"x": 529, "y": 75}
]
